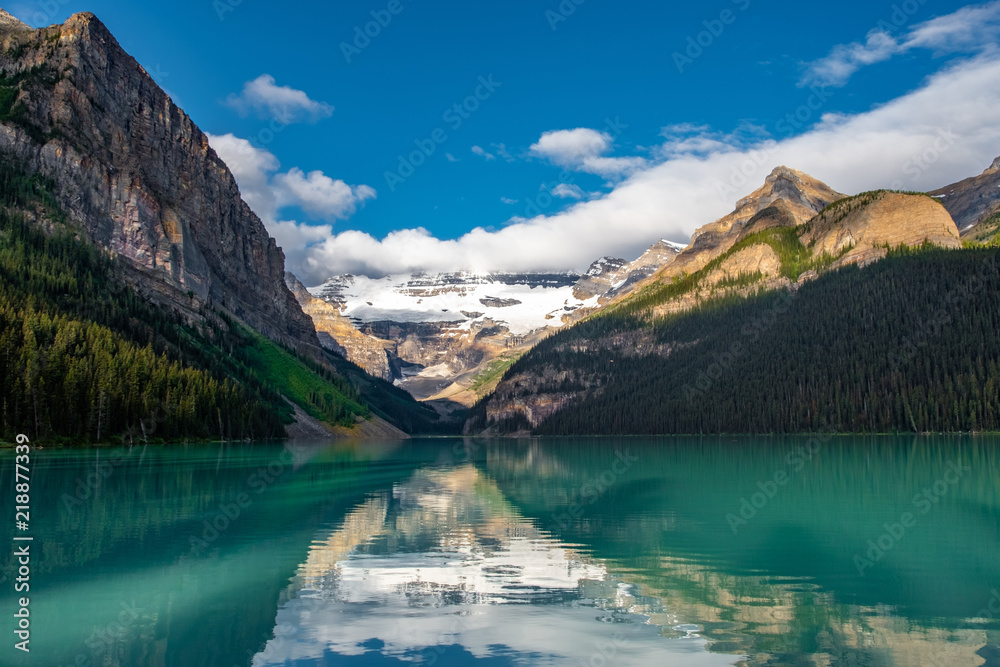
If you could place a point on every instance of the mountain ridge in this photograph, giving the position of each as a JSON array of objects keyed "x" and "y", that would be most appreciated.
[
  {"x": 87, "y": 115},
  {"x": 767, "y": 244}
]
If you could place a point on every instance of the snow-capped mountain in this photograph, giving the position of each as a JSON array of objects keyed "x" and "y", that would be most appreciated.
[
  {"x": 521, "y": 303},
  {"x": 448, "y": 328}
]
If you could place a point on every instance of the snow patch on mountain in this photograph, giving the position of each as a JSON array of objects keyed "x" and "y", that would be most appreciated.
[{"x": 523, "y": 303}]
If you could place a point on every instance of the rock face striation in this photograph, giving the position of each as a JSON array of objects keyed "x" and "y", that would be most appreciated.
[
  {"x": 974, "y": 203},
  {"x": 858, "y": 231},
  {"x": 138, "y": 178},
  {"x": 788, "y": 198},
  {"x": 609, "y": 277},
  {"x": 337, "y": 334}
]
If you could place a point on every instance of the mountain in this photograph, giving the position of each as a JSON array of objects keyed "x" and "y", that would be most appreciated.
[
  {"x": 448, "y": 336},
  {"x": 140, "y": 297},
  {"x": 609, "y": 277},
  {"x": 337, "y": 334},
  {"x": 636, "y": 365},
  {"x": 138, "y": 177},
  {"x": 974, "y": 203}
]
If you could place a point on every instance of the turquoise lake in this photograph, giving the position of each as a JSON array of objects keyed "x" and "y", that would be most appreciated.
[{"x": 673, "y": 551}]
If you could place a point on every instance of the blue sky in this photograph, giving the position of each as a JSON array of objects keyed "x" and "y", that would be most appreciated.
[{"x": 630, "y": 106}]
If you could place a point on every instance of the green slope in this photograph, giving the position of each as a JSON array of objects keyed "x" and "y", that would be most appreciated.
[
  {"x": 907, "y": 344},
  {"x": 83, "y": 358}
]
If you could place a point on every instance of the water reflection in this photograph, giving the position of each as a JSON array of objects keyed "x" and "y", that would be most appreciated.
[
  {"x": 444, "y": 569},
  {"x": 591, "y": 551}
]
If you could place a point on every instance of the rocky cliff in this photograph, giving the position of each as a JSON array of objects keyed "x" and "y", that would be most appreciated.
[
  {"x": 138, "y": 178},
  {"x": 337, "y": 334},
  {"x": 858, "y": 230},
  {"x": 788, "y": 198},
  {"x": 974, "y": 203},
  {"x": 609, "y": 277}
]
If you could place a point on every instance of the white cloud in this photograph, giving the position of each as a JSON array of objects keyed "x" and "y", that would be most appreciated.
[
  {"x": 968, "y": 29},
  {"x": 318, "y": 194},
  {"x": 846, "y": 59},
  {"x": 972, "y": 28},
  {"x": 451, "y": 158},
  {"x": 481, "y": 152},
  {"x": 268, "y": 192},
  {"x": 252, "y": 168},
  {"x": 583, "y": 149},
  {"x": 568, "y": 191},
  {"x": 889, "y": 146},
  {"x": 501, "y": 150},
  {"x": 287, "y": 105},
  {"x": 568, "y": 148}
]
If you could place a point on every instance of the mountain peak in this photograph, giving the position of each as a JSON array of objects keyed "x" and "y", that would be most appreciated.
[
  {"x": 784, "y": 172},
  {"x": 804, "y": 194},
  {"x": 993, "y": 168},
  {"x": 10, "y": 23}
]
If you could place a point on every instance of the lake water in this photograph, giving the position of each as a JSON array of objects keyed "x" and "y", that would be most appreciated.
[{"x": 676, "y": 551}]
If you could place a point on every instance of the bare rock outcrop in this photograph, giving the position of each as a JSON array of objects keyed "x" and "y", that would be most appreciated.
[
  {"x": 787, "y": 198},
  {"x": 757, "y": 260},
  {"x": 138, "y": 178},
  {"x": 337, "y": 334},
  {"x": 973, "y": 202},
  {"x": 871, "y": 221}
]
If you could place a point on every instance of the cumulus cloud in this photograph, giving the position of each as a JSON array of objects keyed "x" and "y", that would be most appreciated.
[
  {"x": 973, "y": 28},
  {"x": 283, "y": 103},
  {"x": 568, "y": 191},
  {"x": 268, "y": 192},
  {"x": 583, "y": 149},
  {"x": 940, "y": 133},
  {"x": 319, "y": 195}
]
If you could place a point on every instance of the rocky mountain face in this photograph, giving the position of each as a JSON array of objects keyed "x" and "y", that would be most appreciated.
[
  {"x": 337, "y": 334},
  {"x": 447, "y": 334},
  {"x": 138, "y": 178},
  {"x": 974, "y": 203},
  {"x": 609, "y": 277},
  {"x": 788, "y": 198},
  {"x": 781, "y": 236}
]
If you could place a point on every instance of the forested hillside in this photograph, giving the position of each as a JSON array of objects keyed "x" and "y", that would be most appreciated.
[
  {"x": 84, "y": 358},
  {"x": 907, "y": 344}
]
